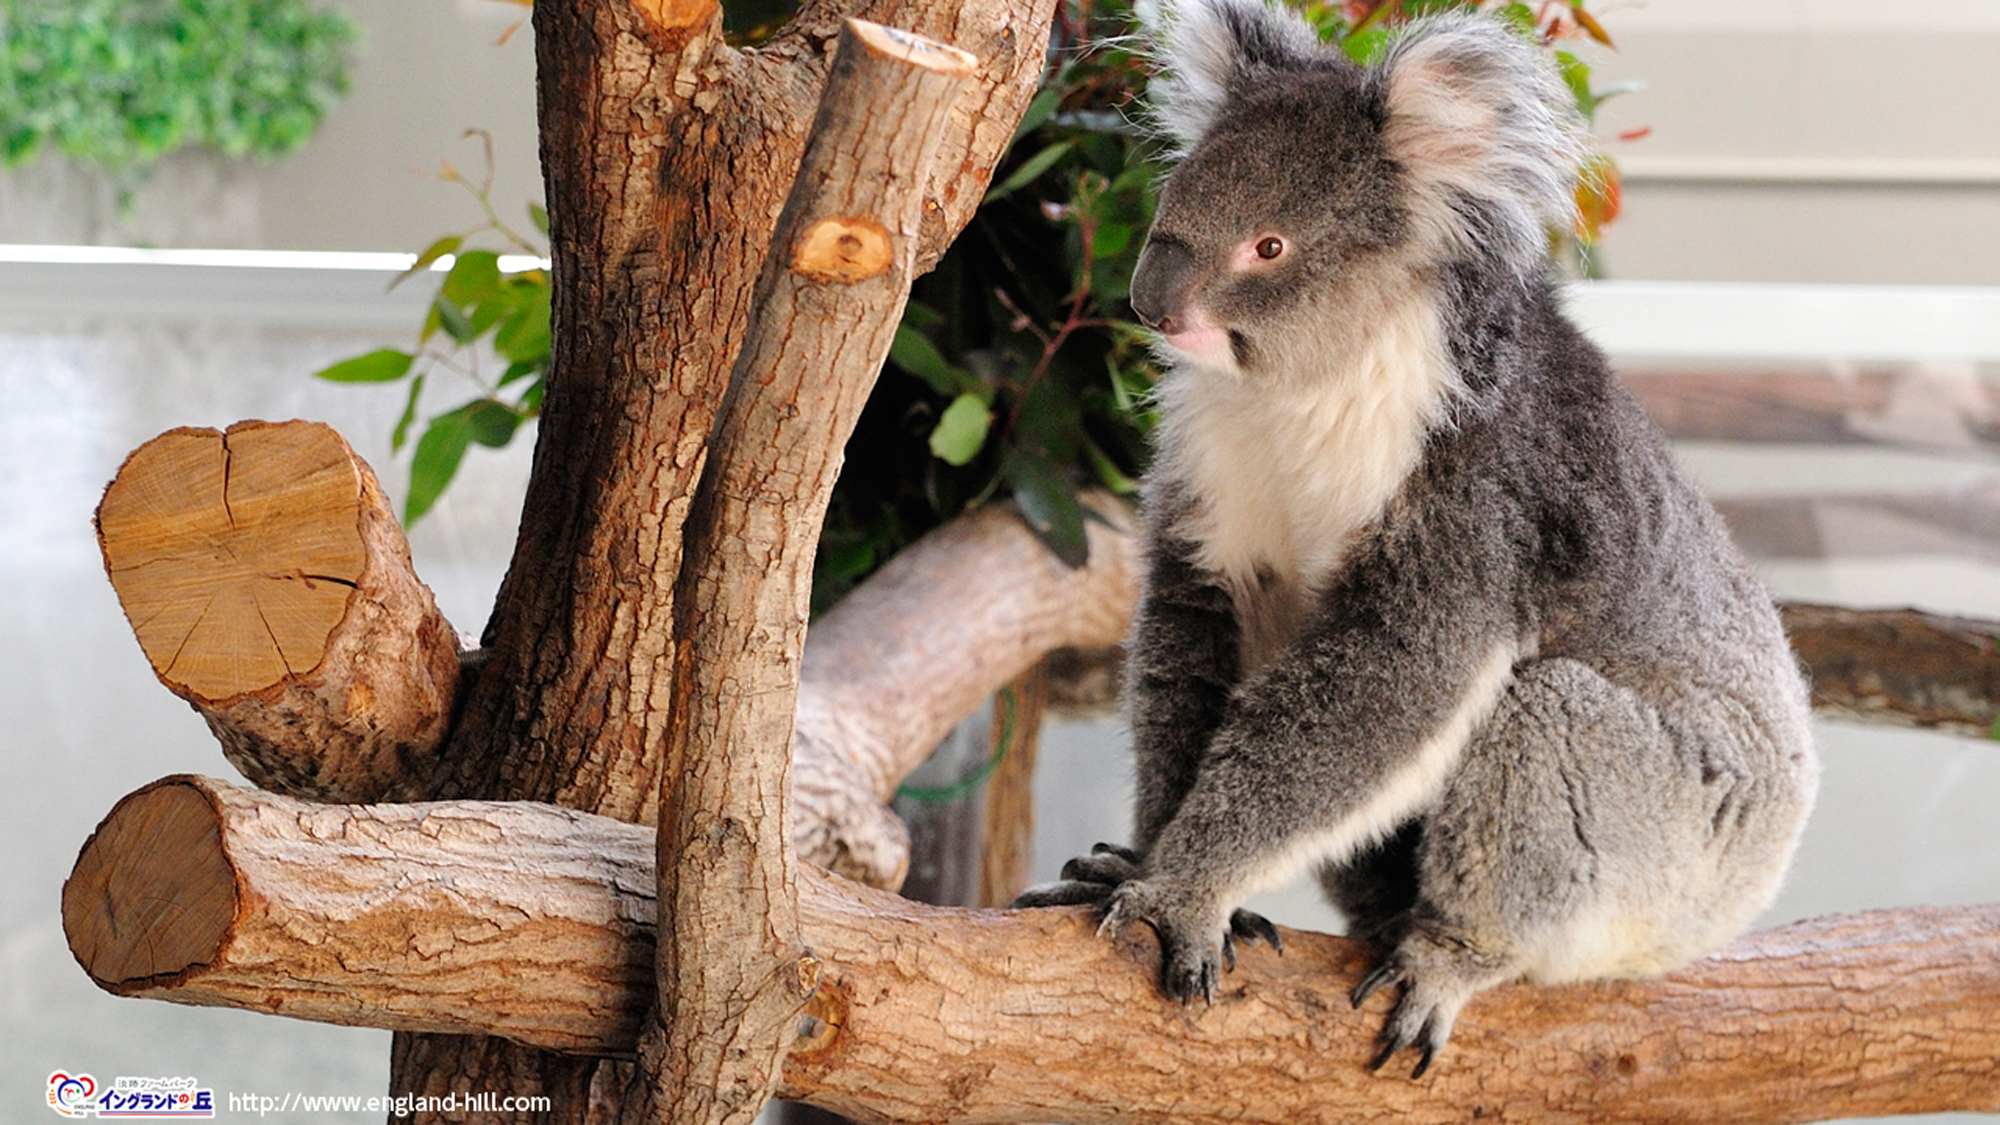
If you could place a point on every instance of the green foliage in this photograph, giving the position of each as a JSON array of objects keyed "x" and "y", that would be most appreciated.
[
  {"x": 1016, "y": 371},
  {"x": 121, "y": 83},
  {"x": 480, "y": 312}
]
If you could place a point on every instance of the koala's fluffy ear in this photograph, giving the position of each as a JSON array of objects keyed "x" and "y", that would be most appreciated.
[
  {"x": 1488, "y": 136},
  {"x": 1203, "y": 46}
]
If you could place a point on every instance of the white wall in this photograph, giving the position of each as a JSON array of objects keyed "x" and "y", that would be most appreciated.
[{"x": 1806, "y": 140}]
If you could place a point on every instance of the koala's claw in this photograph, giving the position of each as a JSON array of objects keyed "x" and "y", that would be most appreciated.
[
  {"x": 1249, "y": 927},
  {"x": 1388, "y": 972},
  {"x": 1101, "y": 867},
  {"x": 1427, "y": 1046},
  {"x": 1087, "y": 880},
  {"x": 1064, "y": 893},
  {"x": 1119, "y": 850}
]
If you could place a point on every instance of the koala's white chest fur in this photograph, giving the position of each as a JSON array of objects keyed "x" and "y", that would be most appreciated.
[{"x": 1285, "y": 470}]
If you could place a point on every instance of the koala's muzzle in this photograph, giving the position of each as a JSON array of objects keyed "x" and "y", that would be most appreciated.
[{"x": 1160, "y": 285}]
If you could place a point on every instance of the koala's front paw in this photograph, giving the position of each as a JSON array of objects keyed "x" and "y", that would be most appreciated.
[
  {"x": 1085, "y": 880},
  {"x": 1195, "y": 945}
]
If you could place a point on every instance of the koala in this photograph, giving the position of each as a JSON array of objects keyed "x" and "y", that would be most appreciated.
[{"x": 1428, "y": 607}]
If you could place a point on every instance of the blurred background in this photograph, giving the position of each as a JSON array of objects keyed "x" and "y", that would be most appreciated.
[{"x": 1813, "y": 195}]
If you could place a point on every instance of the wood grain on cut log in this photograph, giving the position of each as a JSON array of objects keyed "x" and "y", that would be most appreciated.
[
  {"x": 270, "y": 586},
  {"x": 383, "y": 916},
  {"x": 917, "y": 647},
  {"x": 824, "y": 314}
]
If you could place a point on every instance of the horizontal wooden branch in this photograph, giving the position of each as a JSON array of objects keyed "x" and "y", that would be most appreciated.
[
  {"x": 1903, "y": 667},
  {"x": 536, "y": 923},
  {"x": 1949, "y": 407},
  {"x": 350, "y": 697},
  {"x": 1898, "y": 667}
]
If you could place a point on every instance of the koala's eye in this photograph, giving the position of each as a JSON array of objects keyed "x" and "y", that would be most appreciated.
[{"x": 1269, "y": 247}]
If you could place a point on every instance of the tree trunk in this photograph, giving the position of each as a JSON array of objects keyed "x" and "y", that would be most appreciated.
[
  {"x": 537, "y": 922},
  {"x": 667, "y": 157}
]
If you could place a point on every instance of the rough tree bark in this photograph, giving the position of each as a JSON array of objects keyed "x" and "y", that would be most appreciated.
[
  {"x": 826, "y": 309},
  {"x": 668, "y": 157},
  {"x": 537, "y": 922},
  {"x": 1900, "y": 666}
]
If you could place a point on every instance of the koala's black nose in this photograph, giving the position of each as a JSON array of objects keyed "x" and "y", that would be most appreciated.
[{"x": 1161, "y": 283}]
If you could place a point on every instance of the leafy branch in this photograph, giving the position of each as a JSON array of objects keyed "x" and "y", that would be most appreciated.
[{"x": 479, "y": 308}]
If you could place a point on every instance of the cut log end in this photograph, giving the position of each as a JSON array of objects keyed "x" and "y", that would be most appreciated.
[
  {"x": 270, "y": 586},
  {"x": 152, "y": 895},
  {"x": 913, "y": 50},
  {"x": 234, "y": 554}
]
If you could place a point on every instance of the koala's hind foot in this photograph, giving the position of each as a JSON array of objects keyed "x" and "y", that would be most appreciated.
[
  {"x": 1436, "y": 976},
  {"x": 1190, "y": 963}
]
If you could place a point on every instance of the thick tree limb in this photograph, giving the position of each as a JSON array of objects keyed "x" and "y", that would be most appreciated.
[
  {"x": 270, "y": 586},
  {"x": 668, "y": 158},
  {"x": 825, "y": 311},
  {"x": 200, "y": 892},
  {"x": 483, "y": 917},
  {"x": 917, "y": 647}
]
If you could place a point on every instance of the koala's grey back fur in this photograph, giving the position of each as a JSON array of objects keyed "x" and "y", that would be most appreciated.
[{"x": 1429, "y": 606}]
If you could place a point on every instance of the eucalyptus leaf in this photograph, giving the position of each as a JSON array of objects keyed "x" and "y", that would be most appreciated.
[
  {"x": 961, "y": 430},
  {"x": 1049, "y": 504},
  {"x": 384, "y": 366},
  {"x": 913, "y": 351},
  {"x": 524, "y": 335},
  {"x": 430, "y": 256},
  {"x": 402, "y": 431},
  {"x": 474, "y": 277},
  {"x": 1039, "y": 111},
  {"x": 453, "y": 320},
  {"x": 436, "y": 461},
  {"x": 1030, "y": 170},
  {"x": 1109, "y": 474},
  {"x": 491, "y": 423}
]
